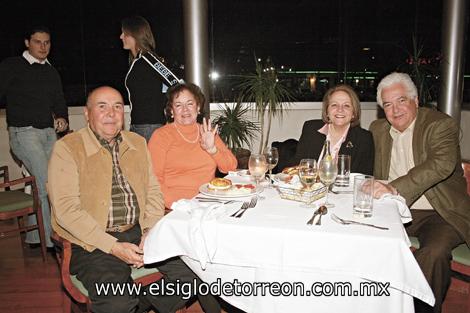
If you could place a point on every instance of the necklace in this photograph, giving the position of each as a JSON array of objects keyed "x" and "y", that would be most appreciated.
[{"x": 184, "y": 138}]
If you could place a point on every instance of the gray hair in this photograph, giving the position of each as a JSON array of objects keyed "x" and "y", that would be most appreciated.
[{"x": 397, "y": 78}]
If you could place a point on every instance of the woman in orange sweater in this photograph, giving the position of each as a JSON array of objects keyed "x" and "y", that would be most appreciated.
[{"x": 185, "y": 154}]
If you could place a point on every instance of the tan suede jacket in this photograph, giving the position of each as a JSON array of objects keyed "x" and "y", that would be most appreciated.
[{"x": 79, "y": 185}]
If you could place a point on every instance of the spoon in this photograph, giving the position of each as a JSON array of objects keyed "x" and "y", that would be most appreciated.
[
  {"x": 322, "y": 211},
  {"x": 316, "y": 214}
]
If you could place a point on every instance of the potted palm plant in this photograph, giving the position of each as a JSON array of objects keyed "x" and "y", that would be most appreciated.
[
  {"x": 237, "y": 131},
  {"x": 269, "y": 95},
  {"x": 424, "y": 72}
]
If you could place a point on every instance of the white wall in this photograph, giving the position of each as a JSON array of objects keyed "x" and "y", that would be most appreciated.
[{"x": 290, "y": 126}]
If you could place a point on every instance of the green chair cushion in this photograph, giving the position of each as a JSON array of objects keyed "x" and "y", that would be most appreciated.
[
  {"x": 461, "y": 254},
  {"x": 14, "y": 200},
  {"x": 136, "y": 273},
  {"x": 414, "y": 242}
]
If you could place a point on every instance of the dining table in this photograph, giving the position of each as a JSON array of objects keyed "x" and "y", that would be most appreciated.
[{"x": 271, "y": 260}]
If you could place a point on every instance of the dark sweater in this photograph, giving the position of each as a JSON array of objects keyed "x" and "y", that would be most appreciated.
[
  {"x": 358, "y": 144},
  {"x": 144, "y": 86},
  {"x": 33, "y": 93}
]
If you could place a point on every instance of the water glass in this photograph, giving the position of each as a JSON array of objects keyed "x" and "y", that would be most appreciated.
[
  {"x": 272, "y": 157},
  {"x": 308, "y": 176},
  {"x": 257, "y": 166},
  {"x": 363, "y": 197},
  {"x": 327, "y": 170},
  {"x": 344, "y": 169}
]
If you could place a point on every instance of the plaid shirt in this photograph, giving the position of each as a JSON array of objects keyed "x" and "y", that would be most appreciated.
[{"x": 124, "y": 207}]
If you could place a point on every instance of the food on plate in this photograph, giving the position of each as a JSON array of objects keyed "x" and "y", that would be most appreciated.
[
  {"x": 293, "y": 170},
  {"x": 245, "y": 186},
  {"x": 219, "y": 184},
  {"x": 240, "y": 189}
]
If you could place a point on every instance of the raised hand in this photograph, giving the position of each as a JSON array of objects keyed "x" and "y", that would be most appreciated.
[{"x": 207, "y": 140}]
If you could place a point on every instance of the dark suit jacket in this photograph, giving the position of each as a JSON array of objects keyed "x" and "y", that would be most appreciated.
[
  {"x": 358, "y": 144},
  {"x": 438, "y": 170}
]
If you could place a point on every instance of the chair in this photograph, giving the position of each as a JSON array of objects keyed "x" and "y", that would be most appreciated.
[
  {"x": 286, "y": 151},
  {"x": 75, "y": 289},
  {"x": 460, "y": 264},
  {"x": 16, "y": 203}
]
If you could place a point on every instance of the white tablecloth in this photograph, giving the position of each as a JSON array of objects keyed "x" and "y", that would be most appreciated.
[{"x": 272, "y": 243}]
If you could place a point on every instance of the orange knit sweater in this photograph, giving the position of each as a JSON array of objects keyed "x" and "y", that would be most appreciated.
[{"x": 182, "y": 167}]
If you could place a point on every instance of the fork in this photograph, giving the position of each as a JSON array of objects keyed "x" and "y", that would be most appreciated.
[
  {"x": 252, "y": 204},
  {"x": 243, "y": 207},
  {"x": 337, "y": 219}
]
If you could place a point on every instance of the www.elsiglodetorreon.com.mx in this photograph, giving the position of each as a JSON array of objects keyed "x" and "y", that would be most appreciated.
[{"x": 237, "y": 288}]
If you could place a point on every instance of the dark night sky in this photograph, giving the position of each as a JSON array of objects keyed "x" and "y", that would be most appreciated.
[{"x": 303, "y": 34}]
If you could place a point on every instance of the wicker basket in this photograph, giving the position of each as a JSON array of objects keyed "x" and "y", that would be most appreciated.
[{"x": 301, "y": 194}]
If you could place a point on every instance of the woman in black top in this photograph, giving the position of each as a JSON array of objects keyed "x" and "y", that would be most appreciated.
[
  {"x": 147, "y": 78},
  {"x": 341, "y": 114}
]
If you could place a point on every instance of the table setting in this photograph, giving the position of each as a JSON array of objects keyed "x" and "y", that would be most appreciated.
[{"x": 262, "y": 237}]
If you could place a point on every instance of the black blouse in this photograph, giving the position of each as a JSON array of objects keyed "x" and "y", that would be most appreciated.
[{"x": 358, "y": 144}]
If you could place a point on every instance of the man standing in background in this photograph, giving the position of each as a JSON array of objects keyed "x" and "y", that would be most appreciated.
[{"x": 35, "y": 110}]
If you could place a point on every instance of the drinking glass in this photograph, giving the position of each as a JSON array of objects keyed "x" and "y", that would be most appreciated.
[
  {"x": 327, "y": 171},
  {"x": 308, "y": 176},
  {"x": 272, "y": 157},
  {"x": 257, "y": 166},
  {"x": 344, "y": 169},
  {"x": 363, "y": 197}
]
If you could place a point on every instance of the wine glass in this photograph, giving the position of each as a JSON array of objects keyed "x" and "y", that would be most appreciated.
[
  {"x": 308, "y": 176},
  {"x": 272, "y": 157},
  {"x": 257, "y": 166},
  {"x": 328, "y": 171}
]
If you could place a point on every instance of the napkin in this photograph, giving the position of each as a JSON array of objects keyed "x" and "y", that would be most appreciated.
[
  {"x": 202, "y": 227},
  {"x": 403, "y": 209}
]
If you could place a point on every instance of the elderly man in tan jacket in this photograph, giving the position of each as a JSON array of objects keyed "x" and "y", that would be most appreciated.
[
  {"x": 104, "y": 199},
  {"x": 417, "y": 151}
]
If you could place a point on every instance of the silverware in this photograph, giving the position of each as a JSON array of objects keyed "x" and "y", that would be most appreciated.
[
  {"x": 315, "y": 213},
  {"x": 252, "y": 204},
  {"x": 243, "y": 207},
  {"x": 320, "y": 211},
  {"x": 339, "y": 220},
  {"x": 323, "y": 211},
  {"x": 208, "y": 198},
  {"x": 218, "y": 201}
]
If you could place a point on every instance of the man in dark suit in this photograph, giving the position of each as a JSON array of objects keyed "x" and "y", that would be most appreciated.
[{"x": 417, "y": 151}]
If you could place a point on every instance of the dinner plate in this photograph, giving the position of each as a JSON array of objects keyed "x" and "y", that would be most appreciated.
[{"x": 229, "y": 193}]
